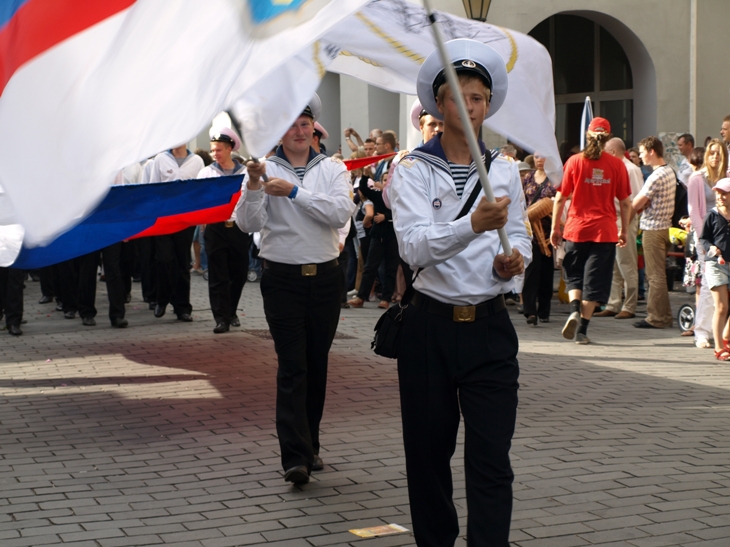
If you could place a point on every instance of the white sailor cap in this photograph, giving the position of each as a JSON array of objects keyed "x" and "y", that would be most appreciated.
[
  {"x": 417, "y": 112},
  {"x": 227, "y": 135},
  {"x": 313, "y": 108},
  {"x": 319, "y": 128},
  {"x": 467, "y": 56}
]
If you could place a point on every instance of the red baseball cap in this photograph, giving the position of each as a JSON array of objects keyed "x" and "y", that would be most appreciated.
[{"x": 599, "y": 125}]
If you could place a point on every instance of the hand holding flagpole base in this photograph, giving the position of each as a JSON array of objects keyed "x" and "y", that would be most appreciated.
[{"x": 471, "y": 139}]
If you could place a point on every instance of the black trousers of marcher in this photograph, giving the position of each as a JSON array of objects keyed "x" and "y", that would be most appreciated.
[
  {"x": 172, "y": 254},
  {"x": 537, "y": 292},
  {"x": 380, "y": 249},
  {"x": 302, "y": 313},
  {"x": 112, "y": 259},
  {"x": 48, "y": 282},
  {"x": 443, "y": 367},
  {"x": 11, "y": 295},
  {"x": 344, "y": 259},
  {"x": 147, "y": 267},
  {"x": 227, "y": 250},
  {"x": 126, "y": 261},
  {"x": 78, "y": 284}
]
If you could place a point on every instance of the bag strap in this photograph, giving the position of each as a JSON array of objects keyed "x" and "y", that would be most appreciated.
[{"x": 464, "y": 210}]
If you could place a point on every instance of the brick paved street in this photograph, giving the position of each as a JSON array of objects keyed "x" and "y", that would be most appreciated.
[{"x": 163, "y": 433}]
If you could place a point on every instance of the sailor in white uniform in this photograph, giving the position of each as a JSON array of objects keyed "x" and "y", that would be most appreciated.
[
  {"x": 458, "y": 353},
  {"x": 172, "y": 251},
  {"x": 299, "y": 211}
]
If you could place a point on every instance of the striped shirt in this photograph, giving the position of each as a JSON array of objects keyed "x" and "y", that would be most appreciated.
[
  {"x": 459, "y": 173},
  {"x": 300, "y": 172},
  {"x": 659, "y": 188}
]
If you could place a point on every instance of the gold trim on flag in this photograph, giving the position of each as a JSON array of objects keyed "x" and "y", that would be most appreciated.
[{"x": 398, "y": 46}]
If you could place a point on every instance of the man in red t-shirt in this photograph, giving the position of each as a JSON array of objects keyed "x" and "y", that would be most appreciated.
[{"x": 591, "y": 181}]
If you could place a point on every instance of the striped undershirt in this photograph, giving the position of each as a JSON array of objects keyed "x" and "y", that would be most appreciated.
[
  {"x": 459, "y": 173},
  {"x": 300, "y": 172}
]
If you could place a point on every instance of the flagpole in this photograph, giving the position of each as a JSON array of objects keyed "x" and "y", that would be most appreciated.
[
  {"x": 238, "y": 127},
  {"x": 471, "y": 138}
]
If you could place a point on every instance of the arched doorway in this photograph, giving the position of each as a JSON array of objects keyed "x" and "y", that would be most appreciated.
[{"x": 587, "y": 60}]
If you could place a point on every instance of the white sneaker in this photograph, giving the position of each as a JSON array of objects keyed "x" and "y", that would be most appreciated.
[
  {"x": 571, "y": 325},
  {"x": 353, "y": 292},
  {"x": 703, "y": 343},
  {"x": 581, "y": 338}
]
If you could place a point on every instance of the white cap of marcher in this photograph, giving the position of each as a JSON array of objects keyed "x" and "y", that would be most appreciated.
[
  {"x": 319, "y": 127},
  {"x": 313, "y": 108},
  {"x": 417, "y": 112},
  {"x": 225, "y": 134},
  {"x": 467, "y": 56}
]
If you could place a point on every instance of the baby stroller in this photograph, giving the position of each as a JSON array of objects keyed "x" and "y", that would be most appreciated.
[
  {"x": 255, "y": 266},
  {"x": 686, "y": 317}
]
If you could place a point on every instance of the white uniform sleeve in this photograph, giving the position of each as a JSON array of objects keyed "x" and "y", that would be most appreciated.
[
  {"x": 333, "y": 208},
  {"x": 423, "y": 242},
  {"x": 344, "y": 231},
  {"x": 251, "y": 214},
  {"x": 519, "y": 233}
]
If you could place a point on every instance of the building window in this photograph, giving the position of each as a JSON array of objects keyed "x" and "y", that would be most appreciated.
[{"x": 587, "y": 60}]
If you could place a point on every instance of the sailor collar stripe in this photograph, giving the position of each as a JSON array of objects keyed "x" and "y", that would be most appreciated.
[
  {"x": 240, "y": 168},
  {"x": 439, "y": 163},
  {"x": 285, "y": 164}
]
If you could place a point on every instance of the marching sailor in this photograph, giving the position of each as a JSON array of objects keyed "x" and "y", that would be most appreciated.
[
  {"x": 226, "y": 245},
  {"x": 307, "y": 198},
  {"x": 458, "y": 346}
]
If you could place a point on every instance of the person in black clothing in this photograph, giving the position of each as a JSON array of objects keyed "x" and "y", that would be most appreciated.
[
  {"x": 383, "y": 247},
  {"x": 11, "y": 298}
]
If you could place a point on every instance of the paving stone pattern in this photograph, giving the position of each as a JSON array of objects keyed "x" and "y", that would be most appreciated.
[{"x": 163, "y": 434}]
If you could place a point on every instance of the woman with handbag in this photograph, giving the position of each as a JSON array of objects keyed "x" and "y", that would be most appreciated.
[{"x": 538, "y": 288}]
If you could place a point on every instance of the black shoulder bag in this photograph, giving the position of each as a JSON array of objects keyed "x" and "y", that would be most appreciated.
[{"x": 386, "y": 342}]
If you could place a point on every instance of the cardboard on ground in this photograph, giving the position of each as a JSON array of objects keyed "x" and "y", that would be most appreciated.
[{"x": 375, "y": 531}]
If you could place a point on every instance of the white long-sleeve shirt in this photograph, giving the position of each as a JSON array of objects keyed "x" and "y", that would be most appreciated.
[
  {"x": 303, "y": 230},
  {"x": 165, "y": 168},
  {"x": 458, "y": 263},
  {"x": 214, "y": 170}
]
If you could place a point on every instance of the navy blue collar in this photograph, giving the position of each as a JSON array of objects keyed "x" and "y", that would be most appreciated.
[
  {"x": 281, "y": 155},
  {"x": 237, "y": 166},
  {"x": 434, "y": 148},
  {"x": 173, "y": 155}
]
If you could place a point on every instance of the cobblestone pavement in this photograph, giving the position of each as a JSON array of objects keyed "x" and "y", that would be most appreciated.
[{"x": 163, "y": 433}]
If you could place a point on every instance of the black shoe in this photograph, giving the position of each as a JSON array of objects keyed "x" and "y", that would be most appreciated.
[
  {"x": 544, "y": 319},
  {"x": 297, "y": 475},
  {"x": 88, "y": 321},
  {"x": 644, "y": 324},
  {"x": 532, "y": 320},
  {"x": 120, "y": 323},
  {"x": 185, "y": 317},
  {"x": 137, "y": 279},
  {"x": 34, "y": 277},
  {"x": 128, "y": 299},
  {"x": 14, "y": 330},
  {"x": 45, "y": 300},
  {"x": 69, "y": 314},
  {"x": 317, "y": 464},
  {"x": 220, "y": 328},
  {"x": 59, "y": 306},
  {"x": 23, "y": 321},
  {"x": 159, "y": 310},
  {"x": 235, "y": 322},
  {"x": 153, "y": 305}
]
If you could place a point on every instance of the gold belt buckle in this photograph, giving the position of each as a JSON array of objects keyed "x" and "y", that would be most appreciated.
[
  {"x": 308, "y": 270},
  {"x": 229, "y": 224},
  {"x": 465, "y": 314}
]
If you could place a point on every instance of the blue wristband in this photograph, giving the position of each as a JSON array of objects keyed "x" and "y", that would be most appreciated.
[{"x": 293, "y": 192}]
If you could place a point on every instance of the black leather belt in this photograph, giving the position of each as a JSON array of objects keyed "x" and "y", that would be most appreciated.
[
  {"x": 459, "y": 314},
  {"x": 306, "y": 270}
]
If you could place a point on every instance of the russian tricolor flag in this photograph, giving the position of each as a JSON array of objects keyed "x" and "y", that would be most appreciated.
[{"x": 88, "y": 87}]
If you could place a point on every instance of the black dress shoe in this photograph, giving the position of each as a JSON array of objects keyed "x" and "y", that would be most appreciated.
[
  {"x": 186, "y": 317},
  {"x": 69, "y": 314},
  {"x": 88, "y": 321},
  {"x": 297, "y": 475},
  {"x": 159, "y": 310},
  {"x": 59, "y": 306},
  {"x": 23, "y": 321},
  {"x": 45, "y": 300},
  {"x": 220, "y": 328},
  {"x": 128, "y": 299},
  {"x": 317, "y": 463},
  {"x": 644, "y": 324},
  {"x": 120, "y": 323},
  {"x": 14, "y": 330},
  {"x": 235, "y": 322},
  {"x": 153, "y": 305}
]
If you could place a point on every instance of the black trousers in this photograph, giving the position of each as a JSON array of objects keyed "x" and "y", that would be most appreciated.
[
  {"x": 302, "y": 313},
  {"x": 344, "y": 259},
  {"x": 227, "y": 250},
  {"x": 78, "y": 284},
  {"x": 380, "y": 250},
  {"x": 48, "y": 281},
  {"x": 11, "y": 295},
  {"x": 172, "y": 256},
  {"x": 126, "y": 260},
  {"x": 537, "y": 292},
  {"x": 112, "y": 259},
  {"x": 145, "y": 247},
  {"x": 443, "y": 367}
]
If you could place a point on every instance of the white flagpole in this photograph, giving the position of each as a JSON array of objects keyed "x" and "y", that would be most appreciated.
[
  {"x": 585, "y": 120},
  {"x": 471, "y": 138}
]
